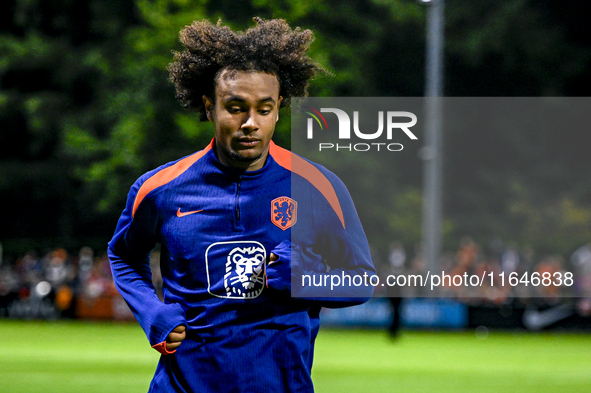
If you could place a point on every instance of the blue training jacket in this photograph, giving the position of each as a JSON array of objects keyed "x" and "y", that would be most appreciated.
[{"x": 217, "y": 227}]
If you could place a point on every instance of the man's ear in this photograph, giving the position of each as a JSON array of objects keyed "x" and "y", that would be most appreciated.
[
  {"x": 208, "y": 107},
  {"x": 278, "y": 107}
]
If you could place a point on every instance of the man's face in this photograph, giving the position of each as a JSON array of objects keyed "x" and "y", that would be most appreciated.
[{"x": 245, "y": 112}]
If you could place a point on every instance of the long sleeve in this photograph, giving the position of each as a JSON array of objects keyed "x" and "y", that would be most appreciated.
[
  {"x": 129, "y": 251},
  {"x": 328, "y": 257}
]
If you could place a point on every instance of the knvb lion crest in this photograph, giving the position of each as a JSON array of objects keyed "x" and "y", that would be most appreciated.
[{"x": 284, "y": 212}]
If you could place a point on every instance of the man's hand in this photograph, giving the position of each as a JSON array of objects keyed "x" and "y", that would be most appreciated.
[
  {"x": 174, "y": 339},
  {"x": 283, "y": 266}
]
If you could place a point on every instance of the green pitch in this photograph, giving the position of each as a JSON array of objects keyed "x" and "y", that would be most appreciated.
[{"x": 91, "y": 357}]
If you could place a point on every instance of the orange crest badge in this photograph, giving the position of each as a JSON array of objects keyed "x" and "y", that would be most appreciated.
[{"x": 284, "y": 212}]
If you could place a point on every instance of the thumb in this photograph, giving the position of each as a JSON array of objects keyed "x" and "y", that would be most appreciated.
[{"x": 273, "y": 258}]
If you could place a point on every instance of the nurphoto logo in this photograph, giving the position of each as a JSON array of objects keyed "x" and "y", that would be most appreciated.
[{"x": 397, "y": 123}]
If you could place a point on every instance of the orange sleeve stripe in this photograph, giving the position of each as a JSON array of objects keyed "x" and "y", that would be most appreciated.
[
  {"x": 167, "y": 175},
  {"x": 299, "y": 166}
]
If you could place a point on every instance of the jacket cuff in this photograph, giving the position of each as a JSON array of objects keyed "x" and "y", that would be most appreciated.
[{"x": 163, "y": 321}]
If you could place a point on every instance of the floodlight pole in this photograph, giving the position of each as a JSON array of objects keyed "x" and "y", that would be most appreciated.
[{"x": 431, "y": 152}]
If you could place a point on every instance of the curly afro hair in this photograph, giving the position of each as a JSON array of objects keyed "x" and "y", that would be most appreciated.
[{"x": 271, "y": 46}]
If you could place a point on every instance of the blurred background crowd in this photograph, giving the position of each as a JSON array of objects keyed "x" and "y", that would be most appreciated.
[
  {"x": 58, "y": 284},
  {"x": 494, "y": 260}
]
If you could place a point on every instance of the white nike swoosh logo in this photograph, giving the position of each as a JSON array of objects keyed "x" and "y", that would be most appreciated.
[{"x": 537, "y": 320}]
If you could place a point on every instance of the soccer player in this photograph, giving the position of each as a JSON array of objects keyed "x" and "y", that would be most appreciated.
[{"x": 226, "y": 219}]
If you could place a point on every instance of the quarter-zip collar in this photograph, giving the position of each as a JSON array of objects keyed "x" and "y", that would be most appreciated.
[{"x": 238, "y": 172}]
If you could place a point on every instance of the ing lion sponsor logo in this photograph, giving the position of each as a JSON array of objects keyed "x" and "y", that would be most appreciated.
[
  {"x": 284, "y": 212},
  {"x": 235, "y": 269},
  {"x": 245, "y": 269}
]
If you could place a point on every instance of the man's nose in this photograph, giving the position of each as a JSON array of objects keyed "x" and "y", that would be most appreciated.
[{"x": 250, "y": 122}]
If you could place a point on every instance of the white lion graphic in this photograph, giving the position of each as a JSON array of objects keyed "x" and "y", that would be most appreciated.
[{"x": 245, "y": 269}]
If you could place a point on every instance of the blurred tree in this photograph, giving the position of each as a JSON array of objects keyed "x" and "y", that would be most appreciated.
[
  {"x": 516, "y": 48},
  {"x": 54, "y": 58},
  {"x": 149, "y": 128},
  {"x": 86, "y": 107},
  {"x": 510, "y": 48}
]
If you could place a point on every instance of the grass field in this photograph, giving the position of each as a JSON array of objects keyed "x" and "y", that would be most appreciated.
[{"x": 109, "y": 357}]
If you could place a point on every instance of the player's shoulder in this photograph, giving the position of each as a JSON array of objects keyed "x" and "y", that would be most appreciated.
[
  {"x": 304, "y": 168},
  {"x": 309, "y": 175},
  {"x": 166, "y": 173}
]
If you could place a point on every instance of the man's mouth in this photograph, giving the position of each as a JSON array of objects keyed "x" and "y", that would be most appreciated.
[{"x": 248, "y": 142}]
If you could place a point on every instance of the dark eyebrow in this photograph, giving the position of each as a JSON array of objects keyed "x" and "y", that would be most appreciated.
[
  {"x": 240, "y": 99},
  {"x": 234, "y": 98},
  {"x": 267, "y": 99}
]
